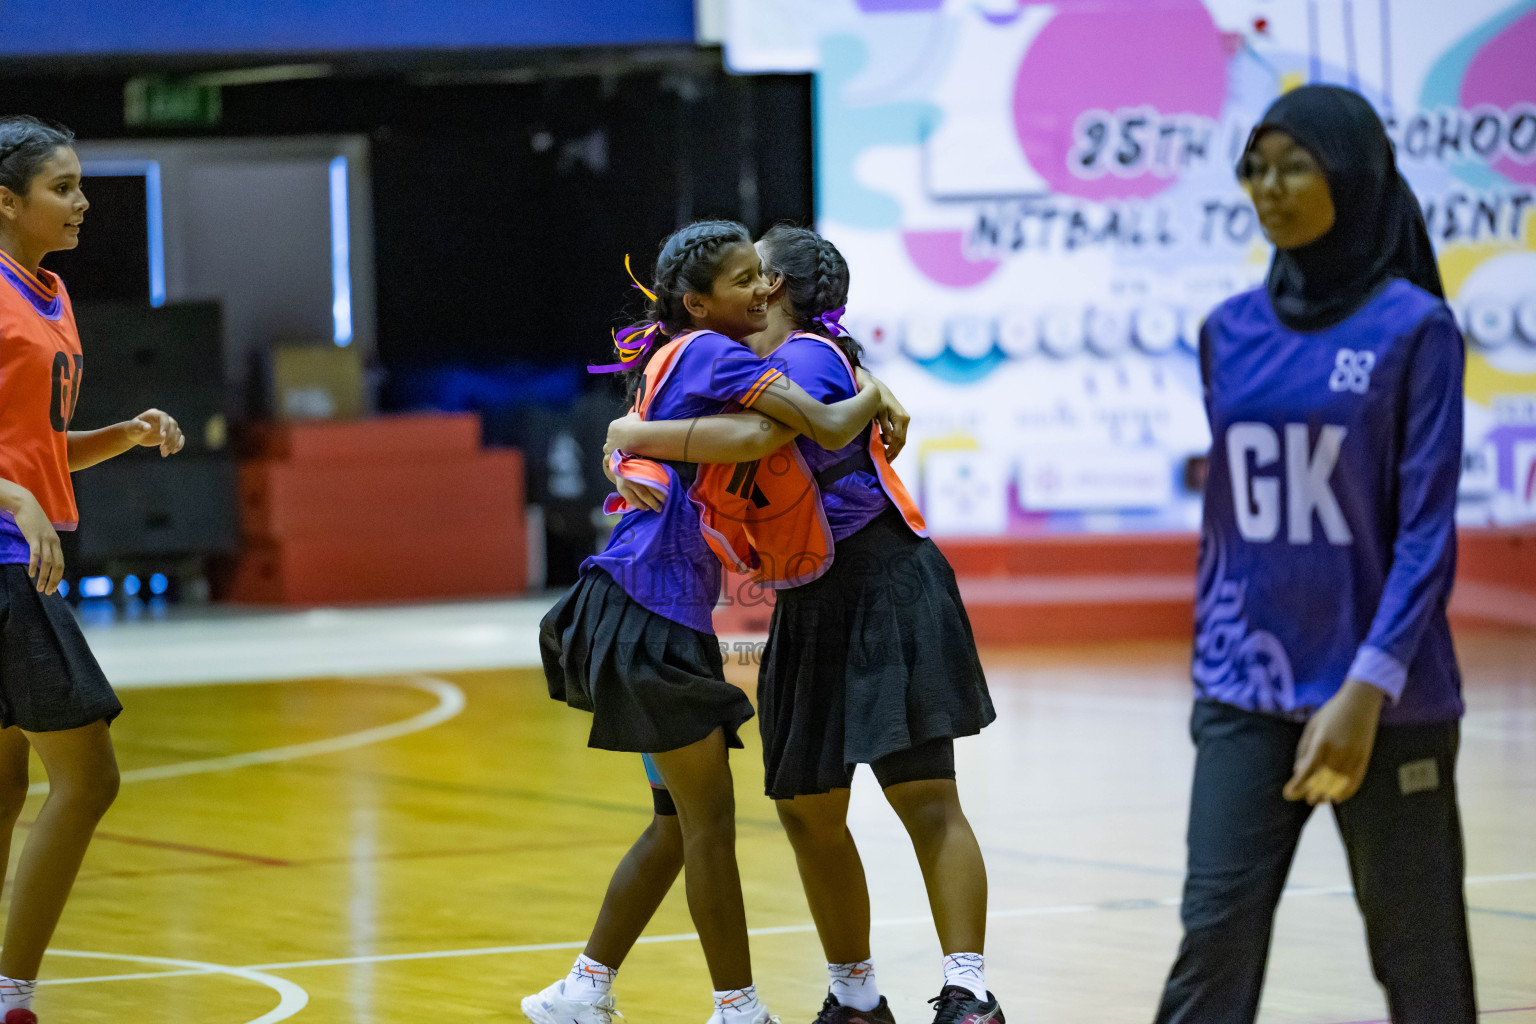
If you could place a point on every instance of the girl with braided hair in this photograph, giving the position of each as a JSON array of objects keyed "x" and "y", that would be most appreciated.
[
  {"x": 633, "y": 641},
  {"x": 53, "y": 695},
  {"x": 870, "y": 662}
]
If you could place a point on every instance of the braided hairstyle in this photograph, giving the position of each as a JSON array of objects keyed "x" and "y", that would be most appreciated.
[
  {"x": 689, "y": 261},
  {"x": 25, "y": 145},
  {"x": 815, "y": 280}
]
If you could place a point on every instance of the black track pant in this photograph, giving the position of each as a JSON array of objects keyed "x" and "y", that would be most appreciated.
[{"x": 1403, "y": 836}]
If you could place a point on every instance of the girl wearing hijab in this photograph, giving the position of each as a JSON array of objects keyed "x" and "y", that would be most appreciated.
[{"x": 1323, "y": 665}]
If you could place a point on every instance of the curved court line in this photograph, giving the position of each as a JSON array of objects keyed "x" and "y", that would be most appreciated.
[
  {"x": 787, "y": 929},
  {"x": 450, "y": 702},
  {"x": 291, "y": 997}
]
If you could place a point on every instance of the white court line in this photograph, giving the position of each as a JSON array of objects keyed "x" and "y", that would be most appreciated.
[
  {"x": 788, "y": 929},
  {"x": 291, "y": 998},
  {"x": 450, "y": 702},
  {"x": 220, "y": 646}
]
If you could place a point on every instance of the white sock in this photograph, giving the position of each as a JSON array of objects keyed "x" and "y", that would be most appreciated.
[
  {"x": 853, "y": 985},
  {"x": 16, "y": 994},
  {"x": 737, "y": 1004},
  {"x": 968, "y": 971},
  {"x": 589, "y": 981}
]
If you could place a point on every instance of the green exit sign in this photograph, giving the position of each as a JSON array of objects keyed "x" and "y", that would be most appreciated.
[{"x": 152, "y": 101}]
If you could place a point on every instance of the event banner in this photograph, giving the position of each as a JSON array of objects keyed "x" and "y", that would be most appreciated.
[{"x": 1039, "y": 206}]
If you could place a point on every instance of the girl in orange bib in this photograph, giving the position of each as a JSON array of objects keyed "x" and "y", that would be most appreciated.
[
  {"x": 870, "y": 658},
  {"x": 53, "y": 696}
]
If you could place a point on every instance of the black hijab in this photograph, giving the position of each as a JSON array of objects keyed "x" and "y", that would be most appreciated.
[{"x": 1378, "y": 231}]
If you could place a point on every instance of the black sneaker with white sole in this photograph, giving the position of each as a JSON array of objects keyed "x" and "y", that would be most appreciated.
[
  {"x": 956, "y": 1005},
  {"x": 834, "y": 1012}
]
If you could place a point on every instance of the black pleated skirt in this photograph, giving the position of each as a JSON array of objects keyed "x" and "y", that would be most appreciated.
[
  {"x": 874, "y": 657},
  {"x": 49, "y": 679},
  {"x": 651, "y": 684}
]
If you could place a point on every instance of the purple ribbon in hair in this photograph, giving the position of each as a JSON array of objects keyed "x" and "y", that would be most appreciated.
[
  {"x": 634, "y": 344},
  {"x": 632, "y": 353},
  {"x": 832, "y": 321}
]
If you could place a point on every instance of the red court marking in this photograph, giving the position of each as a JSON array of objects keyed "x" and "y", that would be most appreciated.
[
  {"x": 207, "y": 851},
  {"x": 310, "y": 862},
  {"x": 211, "y": 869}
]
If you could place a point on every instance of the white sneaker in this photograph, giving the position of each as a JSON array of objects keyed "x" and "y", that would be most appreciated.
[
  {"x": 552, "y": 1007},
  {"x": 763, "y": 1017}
]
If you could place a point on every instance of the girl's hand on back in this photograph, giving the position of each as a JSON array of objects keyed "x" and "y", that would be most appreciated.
[
  {"x": 1336, "y": 745},
  {"x": 892, "y": 417},
  {"x": 639, "y": 496},
  {"x": 152, "y": 428},
  {"x": 893, "y": 420}
]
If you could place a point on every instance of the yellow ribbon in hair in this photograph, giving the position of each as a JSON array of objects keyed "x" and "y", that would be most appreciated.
[
  {"x": 637, "y": 341},
  {"x": 648, "y": 293}
]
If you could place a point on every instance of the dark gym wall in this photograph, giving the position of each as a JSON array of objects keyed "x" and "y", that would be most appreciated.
[{"x": 503, "y": 210}]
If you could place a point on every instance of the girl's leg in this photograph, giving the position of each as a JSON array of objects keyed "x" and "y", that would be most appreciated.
[
  {"x": 1242, "y": 836},
  {"x": 699, "y": 778},
  {"x": 1403, "y": 833},
  {"x": 82, "y": 783},
  {"x": 639, "y": 884},
  {"x": 831, "y": 872},
  {"x": 953, "y": 870},
  {"x": 14, "y": 754},
  {"x": 641, "y": 881}
]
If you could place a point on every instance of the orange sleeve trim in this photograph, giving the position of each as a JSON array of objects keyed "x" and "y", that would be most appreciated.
[{"x": 762, "y": 385}]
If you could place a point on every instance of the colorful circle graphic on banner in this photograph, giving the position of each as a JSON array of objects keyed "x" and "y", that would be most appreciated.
[
  {"x": 1152, "y": 74},
  {"x": 942, "y": 258},
  {"x": 1503, "y": 75}
]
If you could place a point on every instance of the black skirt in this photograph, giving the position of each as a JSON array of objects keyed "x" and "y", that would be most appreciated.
[
  {"x": 651, "y": 684},
  {"x": 49, "y": 679},
  {"x": 874, "y": 657}
]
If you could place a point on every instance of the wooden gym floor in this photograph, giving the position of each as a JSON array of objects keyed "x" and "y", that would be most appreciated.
[{"x": 399, "y": 826}]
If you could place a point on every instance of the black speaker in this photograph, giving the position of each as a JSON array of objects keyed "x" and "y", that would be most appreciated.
[
  {"x": 170, "y": 358},
  {"x": 140, "y": 505}
]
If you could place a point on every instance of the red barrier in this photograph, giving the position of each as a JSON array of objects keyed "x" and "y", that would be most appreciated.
[
  {"x": 396, "y": 508},
  {"x": 1098, "y": 588}
]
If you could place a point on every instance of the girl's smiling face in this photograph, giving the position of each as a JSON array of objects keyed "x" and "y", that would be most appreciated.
[
  {"x": 737, "y": 304},
  {"x": 48, "y": 217}
]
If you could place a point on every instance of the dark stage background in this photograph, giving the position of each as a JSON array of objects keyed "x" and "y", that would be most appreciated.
[
  {"x": 503, "y": 209},
  {"x": 506, "y": 189}
]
